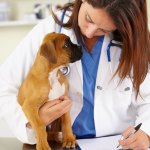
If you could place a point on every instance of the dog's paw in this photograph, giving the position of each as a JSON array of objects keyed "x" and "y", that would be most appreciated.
[
  {"x": 69, "y": 141},
  {"x": 43, "y": 146}
]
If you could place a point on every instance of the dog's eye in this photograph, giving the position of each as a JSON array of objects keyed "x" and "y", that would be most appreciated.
[{"x": 66, "y": 45}]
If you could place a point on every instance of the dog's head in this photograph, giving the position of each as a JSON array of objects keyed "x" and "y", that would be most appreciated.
[{"x": 58, "y": 49}]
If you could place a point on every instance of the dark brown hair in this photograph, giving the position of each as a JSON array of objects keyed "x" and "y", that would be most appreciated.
[{"x": 130, "y": 18}]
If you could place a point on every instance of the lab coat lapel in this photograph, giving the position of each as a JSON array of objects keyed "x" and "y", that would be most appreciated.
[
  {"x": 107, "y": 69},
  {"x": 103, "y": 67},
  {"x": 79, "y": 68}
]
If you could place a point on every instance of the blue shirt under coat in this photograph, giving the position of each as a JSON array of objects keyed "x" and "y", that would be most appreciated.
[{"x": 84, "y": 126}]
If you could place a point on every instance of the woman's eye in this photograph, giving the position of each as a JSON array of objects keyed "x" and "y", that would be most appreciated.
[{"x": 88, "y": 19}]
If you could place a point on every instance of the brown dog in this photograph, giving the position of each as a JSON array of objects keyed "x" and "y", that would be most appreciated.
[{"x": 56, "y": 50}]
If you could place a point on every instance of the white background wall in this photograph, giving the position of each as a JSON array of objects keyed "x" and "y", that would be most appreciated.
[{"x": 11, "y": 35}]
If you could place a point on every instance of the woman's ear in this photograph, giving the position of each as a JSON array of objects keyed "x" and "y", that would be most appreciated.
[{"x": 48, "y": 51}]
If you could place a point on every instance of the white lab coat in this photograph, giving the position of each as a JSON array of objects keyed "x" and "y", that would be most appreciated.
[{"x": 115, "y": 107}]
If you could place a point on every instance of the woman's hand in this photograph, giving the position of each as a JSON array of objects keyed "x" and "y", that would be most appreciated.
[
  {"x": 138, "y": 141},
  {"x": 54, "y": 109}
]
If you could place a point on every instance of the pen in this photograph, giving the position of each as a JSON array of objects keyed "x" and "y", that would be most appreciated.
[{"x": 133, "y": 131}]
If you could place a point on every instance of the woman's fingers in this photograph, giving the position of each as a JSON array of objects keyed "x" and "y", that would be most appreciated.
[
  {"x": 51, "y": 103},
  {"x": 61, "y": 107},
  {"x": 127, "y": 131},
  {"x": 137, "y": 141},
  {"x": 129, "y": 141},
  {"x": 58, "y": 110},
  {"x": 54, "y": 109}
]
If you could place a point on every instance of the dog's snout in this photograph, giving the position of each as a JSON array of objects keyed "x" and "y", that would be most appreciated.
[{"x": 76, "y": 53}]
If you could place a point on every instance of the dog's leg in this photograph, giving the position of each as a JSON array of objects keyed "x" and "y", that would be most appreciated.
[
  {"x": 69, "y": 140},
  {"x": 54, "y": 132},
  {"x": 31, "y": 112}
]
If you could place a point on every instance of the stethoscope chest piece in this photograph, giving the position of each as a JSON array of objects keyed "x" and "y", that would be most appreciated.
[{"x": 65, "y": 70}]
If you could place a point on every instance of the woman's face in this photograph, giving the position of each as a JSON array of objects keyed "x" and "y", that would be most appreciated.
[{"x": 94, "y": 21}]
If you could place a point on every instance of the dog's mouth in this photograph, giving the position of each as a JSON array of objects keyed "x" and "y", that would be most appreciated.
[{"x": 76, "y": 53}]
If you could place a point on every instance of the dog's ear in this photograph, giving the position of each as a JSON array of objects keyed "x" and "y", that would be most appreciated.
[{"x": 48, "y": 51}]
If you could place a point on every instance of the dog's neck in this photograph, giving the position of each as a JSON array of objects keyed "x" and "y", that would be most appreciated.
[{"x": 42, "y": 67}]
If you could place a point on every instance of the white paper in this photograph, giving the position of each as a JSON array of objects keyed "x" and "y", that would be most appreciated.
[{"x": 103, "y": 143}]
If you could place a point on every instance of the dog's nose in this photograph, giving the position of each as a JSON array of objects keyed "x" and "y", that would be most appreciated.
[
  {"x": 76, "y": 53},
  {"x": 79, "y": 47}
]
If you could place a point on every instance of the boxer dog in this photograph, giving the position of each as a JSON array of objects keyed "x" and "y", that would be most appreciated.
[{"x": 56, "y": 50}]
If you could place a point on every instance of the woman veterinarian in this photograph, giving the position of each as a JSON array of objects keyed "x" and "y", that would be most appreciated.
[{"x": 109, "y": 88}]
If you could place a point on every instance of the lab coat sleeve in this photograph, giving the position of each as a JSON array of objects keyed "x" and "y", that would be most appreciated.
[
  {"x": 143, "y": 105},
  {"x": 13, "y": 71}
]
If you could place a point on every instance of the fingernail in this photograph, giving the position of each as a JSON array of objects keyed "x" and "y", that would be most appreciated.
[
  {"x": 61, "y": 98},
  {"x": 122, "y": 138}
]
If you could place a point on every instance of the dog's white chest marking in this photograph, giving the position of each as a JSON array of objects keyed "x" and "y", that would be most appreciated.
[{"x": 57, "y": 89}]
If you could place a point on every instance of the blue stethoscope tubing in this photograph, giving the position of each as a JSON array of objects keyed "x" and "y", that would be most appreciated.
[
  {"x": 108, "y": 51},
  {"x": 112, "y": 43},
  {"x": 62, "y": 18}
]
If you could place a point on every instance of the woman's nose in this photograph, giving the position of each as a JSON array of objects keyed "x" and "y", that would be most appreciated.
[{"x": 90, "y": 31}]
